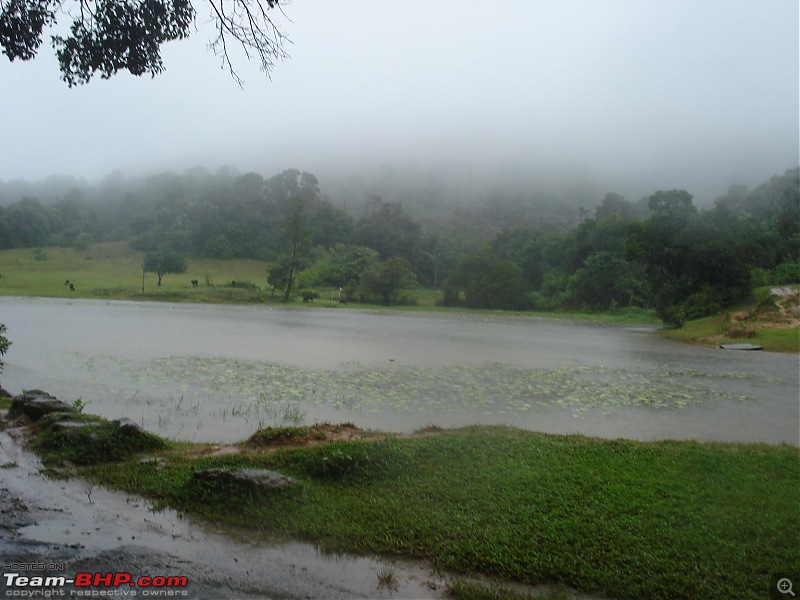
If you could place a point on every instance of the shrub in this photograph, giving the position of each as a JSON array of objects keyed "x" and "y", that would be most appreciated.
[
  {"x": 787, "y": 272},
  {"x": 245, "y": 285},
  {"x": 350, "y": 461}
]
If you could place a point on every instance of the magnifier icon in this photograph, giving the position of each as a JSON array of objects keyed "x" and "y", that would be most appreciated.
[{"x": 785, "y": 586}]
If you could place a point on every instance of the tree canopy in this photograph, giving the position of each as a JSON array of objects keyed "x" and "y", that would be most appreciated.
[
  {"x": 383, "y": 280},
  {"x": 661, "y": 252},
  {"x": 164, "y": 261},
  {"x": 106, "y": 36}
]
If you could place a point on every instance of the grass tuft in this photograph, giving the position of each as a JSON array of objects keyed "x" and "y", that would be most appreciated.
[{"x": 387, "y": 578}]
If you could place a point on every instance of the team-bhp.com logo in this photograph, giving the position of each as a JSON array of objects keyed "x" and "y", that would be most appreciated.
[{"x": 94, "y": 585}]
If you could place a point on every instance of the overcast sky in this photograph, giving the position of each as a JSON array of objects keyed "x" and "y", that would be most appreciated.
[{"x": 640, "y": 95}]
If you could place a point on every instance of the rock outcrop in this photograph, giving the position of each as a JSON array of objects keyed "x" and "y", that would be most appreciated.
[{"x": 35, "y": 404}]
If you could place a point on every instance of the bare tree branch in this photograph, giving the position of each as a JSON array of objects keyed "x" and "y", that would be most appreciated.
[
  {"x": 106, "y": 36},
  {"x": 248, "y": 23}
]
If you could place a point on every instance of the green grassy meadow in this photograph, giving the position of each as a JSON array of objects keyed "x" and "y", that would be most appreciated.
[
  {"x": 114, "y": 271},
  {"x": 622, "y": 519}
]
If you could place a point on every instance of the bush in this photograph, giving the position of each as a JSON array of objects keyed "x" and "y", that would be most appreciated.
[
  {"x": 787, "y": 272},
  {"x": 82, "y": 242},
  {"x": 759, "y": 277},
  {"x": 672, "y": 316},
  {"x": 707, "y": 301},
  {"x": 245, "y": 285},
  {"x": 350, "y": 462}
]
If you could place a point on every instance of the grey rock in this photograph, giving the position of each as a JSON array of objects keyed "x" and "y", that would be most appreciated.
[
  {"x": 126, "y": 426},
  {"x": 35, "y": 404},
  {"x": 253, "y": 479}
]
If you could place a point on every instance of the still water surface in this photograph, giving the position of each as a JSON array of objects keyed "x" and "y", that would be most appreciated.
[{"x": 217, "y": 373}]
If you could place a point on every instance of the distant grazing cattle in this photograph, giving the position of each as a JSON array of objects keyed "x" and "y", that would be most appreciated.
[
  {"x": 72, "y": 286},
  {"x": 66, "y": 282},
  {"x": 309, "y": 296},
  {"x": 194, "y": 282}
]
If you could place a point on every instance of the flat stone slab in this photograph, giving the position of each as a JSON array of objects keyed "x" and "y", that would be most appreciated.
[
  {"x": 256, "y": 479},
  {"x": 740, "y": 347}
]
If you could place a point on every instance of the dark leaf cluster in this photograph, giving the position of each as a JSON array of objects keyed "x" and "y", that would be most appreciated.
[
  {"x": 662, "y": 252},
  {"x": 112, "y": 36},
  {"x": 108, "y": 36}
]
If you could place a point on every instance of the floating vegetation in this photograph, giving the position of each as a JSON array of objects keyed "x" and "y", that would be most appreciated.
[
  {"x": 174, "y": 394},
  {"x": 277, "y": 392}
]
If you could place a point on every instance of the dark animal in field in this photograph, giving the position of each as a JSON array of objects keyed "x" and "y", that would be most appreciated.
[
  {"x": 66, "y": 282},
  {"x": 309, "y": 296},
  {"x": 233, "y": 284},
  {"x": 194, "y": 282},
  {"x": 72, "y": 286}
]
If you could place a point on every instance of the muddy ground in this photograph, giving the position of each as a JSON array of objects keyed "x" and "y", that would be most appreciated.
[
  {"x": 20, "y": 550},
  {"x": 65, "y": 527}
]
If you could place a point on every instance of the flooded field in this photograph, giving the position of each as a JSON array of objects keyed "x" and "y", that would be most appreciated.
[{"x": 217, "y": 373}]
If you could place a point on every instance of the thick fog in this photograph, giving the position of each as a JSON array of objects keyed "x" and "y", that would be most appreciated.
[{"x": 619, "y": 95}]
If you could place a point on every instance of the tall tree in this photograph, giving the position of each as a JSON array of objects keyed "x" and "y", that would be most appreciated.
[
  {"x": 164, "y": 261},
  {"x": 342, "y": 266},
  {"x": 106, "y": 36},
  {"x": 487, "y": 281},
  {"x": 390, "y": 231},
  {"x": 295, "y": 242},
  {"x": 661, "y": 245},
  {"x": 27, "y": 224},
  {"x": 606, "y": 281}
]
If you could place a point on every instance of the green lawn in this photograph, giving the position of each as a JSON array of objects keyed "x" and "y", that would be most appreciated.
[
  {"x": 625, "y": 519},
  {"x": 114, "y": 271}
]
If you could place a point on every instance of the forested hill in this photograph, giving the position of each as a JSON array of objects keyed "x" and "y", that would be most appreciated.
[{"x": 512, "y": 252}]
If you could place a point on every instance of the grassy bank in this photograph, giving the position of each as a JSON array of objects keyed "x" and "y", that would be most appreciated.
[
  {"x": 767, "y": 320},
  {"x": 112, "y": 271},
  {"x": 620, "y": 518}
]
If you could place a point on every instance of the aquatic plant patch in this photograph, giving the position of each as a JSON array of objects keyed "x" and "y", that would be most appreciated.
[{"x": 494, "y": 388}]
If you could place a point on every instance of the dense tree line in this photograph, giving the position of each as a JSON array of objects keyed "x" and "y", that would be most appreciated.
[{"x": 660, "y": 251}]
